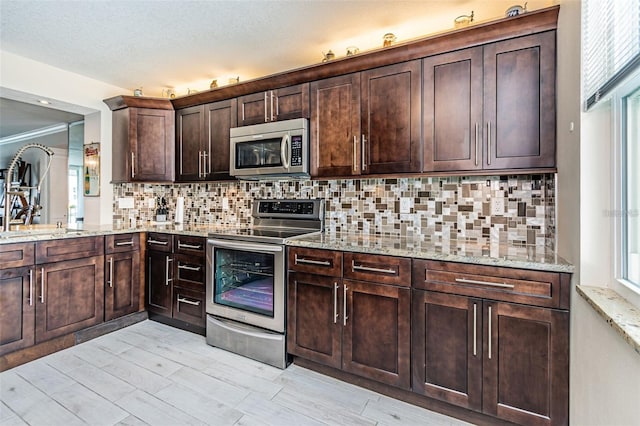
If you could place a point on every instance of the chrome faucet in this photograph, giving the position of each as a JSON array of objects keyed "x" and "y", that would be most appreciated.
[{"x": 7, "y": 181}]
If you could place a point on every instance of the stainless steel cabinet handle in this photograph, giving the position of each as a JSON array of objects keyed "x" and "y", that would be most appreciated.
[
  {"x": 272, "y": 117},
  {"x": 344, "y": 306},
  {"x": 243, "y": 111},
  {"x": 364, "y": 148},
  {"x": 475, "y": 331},
  {"x": 199, "y": 164},
  {"x": 30, "y": 287},
  {"x": 133, "y": 164},
  {"x": 299, "y": 260},
  {"x": 489, "y": 143},
  {"x": 189, "y": 246},
  {"x": 355, "y": 153},
  {"x": 355, "y": 267},
  {"x": 189, "y": 268},
  {"x": 489, "y": 332},
  {"x": 335, "y": 303},
  {"x": 162, "y": 243},
  {"x": 205, "y": 164},
  {"x": 124, "y": 243},
  {"x": 277, "y": 106},
  {"x": 266, "y": 117},
  {"x": 41, "y": 285},
  {"x": 166, "y": 272},
  {"x": 110, "y": 272},
  {"x": 188, "y": 302},
  {"x": 477, "y": 140},
  {"x": 466, "y": 281}
]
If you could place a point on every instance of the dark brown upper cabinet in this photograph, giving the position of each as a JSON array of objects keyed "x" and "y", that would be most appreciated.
[
  {"x": 202, "y": 141},
  {"x": 142, "y": 139},
  {"x": 367, "y": 123},
  {"x": 274, "y": 105},
  {"x": 491, "y": 107}
]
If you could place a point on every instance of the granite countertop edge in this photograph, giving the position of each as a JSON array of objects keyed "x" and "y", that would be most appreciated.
[
  {"x": 618, "y": 312},
  {"x": 346, "y": 243}
]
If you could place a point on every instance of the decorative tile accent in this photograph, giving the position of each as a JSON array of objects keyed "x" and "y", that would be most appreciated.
[{"x": 445, "y": 208}]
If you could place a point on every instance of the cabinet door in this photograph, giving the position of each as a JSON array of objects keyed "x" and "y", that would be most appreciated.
[
  {"x": 452, "y": 117},
  {"x": 335, "y": 126},
  {"x": 189, "y": 306},
  {"x": 446, "y": 348},
  {"x": 391, "y": 118},
  {"x": 314, "y": 327},
  {"x": 151, "y": 135},
  {"x": 252, "y": 109},
  {"x": 526, "y": 363},
  {"x": 190, "y": 141},
  {"x": 290, "y": 102},
  {"x": 376, "y": 336},
  {"x": 122, "y": 291},
  {"x": 159, "y": 282},
  {"x": 221, "y": 117},
  {"x": 519, "y": 102},
  {"x": 70, "y": 296},
  {"x": 17, "y": 309}
]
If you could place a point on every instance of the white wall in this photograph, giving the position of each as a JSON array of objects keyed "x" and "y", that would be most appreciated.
[
  {"x": 605, "y": 370},
  {"x": 30, "y": 77}
]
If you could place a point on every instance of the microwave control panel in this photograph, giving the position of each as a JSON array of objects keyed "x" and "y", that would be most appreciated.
[{"x": 296, "y": 150}]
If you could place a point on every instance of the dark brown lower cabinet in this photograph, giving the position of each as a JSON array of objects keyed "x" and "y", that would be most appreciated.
[
  {"x": 376, "y": 336},
  {"x": 189, "y": 306},
  {"x": 122, "y": 291},
  {"x": 17, "y": 309},
  {"x": 69, "y": 296},
  {"x": 359, "y": 327},
  {"x": 159, "y": 277},
  {"x": 504, "y": 359},
  {"x": 313, "y": 329}
]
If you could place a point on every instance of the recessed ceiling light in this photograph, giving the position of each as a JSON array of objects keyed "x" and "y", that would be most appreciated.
[{"x": 44, "y": 102}]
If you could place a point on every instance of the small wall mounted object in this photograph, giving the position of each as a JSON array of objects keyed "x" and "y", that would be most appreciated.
[
  {"x": 91, "y": 168},
  {"x": 388, "y": 39},
  {"x": 516, "y": 10},
  {"x": 463, "y": 20}
]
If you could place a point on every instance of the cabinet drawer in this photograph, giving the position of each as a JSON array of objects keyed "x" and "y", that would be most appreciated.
[
  {"x": 194, "y": 246},
  {"x": 160, "y": 242},
  {"x": 189, "y": 271},
  {"x": 16, "y": 255},
  {"x": 68, "y": 249},
  {"x": 189, "y": 306},
  {"x": 512, "y": 285},
  {"x": 321, "y": 262},
  {"x": 379, "y": 269},
  {"x": 121, "y": 242}
]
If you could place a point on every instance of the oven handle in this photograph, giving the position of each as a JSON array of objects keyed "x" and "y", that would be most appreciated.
[
  {"x": 239, "y": 330},
  {"x": 234, "y": 245},
  {"x": 284, "y": 151}
]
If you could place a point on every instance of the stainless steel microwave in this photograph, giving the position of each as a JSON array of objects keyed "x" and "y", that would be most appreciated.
[{"x": 278, "y": 149}]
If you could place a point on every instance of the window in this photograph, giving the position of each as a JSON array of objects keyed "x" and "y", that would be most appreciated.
[{"x": 630, "y": 187}]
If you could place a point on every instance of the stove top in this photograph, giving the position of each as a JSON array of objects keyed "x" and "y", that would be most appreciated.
[{"x": 278, "y": 220}]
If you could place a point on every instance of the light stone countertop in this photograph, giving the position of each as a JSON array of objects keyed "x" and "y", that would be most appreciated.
[
  {"x": 619, "y": 313},
  {"x": 525, "y": 257}
]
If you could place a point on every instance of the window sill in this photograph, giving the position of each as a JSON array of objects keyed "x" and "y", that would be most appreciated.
[{"x": 619, "y": 313}]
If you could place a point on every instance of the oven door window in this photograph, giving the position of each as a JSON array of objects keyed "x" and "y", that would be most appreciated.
[
  {"x": 244, "y": 280},
  {"x": 262, "y": 153}
]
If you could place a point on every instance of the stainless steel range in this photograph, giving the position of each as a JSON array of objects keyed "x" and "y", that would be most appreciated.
[{"x": 246, "y": 278}]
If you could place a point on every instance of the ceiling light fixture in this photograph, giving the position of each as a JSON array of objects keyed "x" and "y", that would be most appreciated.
[{"x": 44, "y": 102}]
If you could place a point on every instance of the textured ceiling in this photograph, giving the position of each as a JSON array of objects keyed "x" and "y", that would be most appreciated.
[
  {"x": 176, "y": 44},
  {"x": 162, "y": 44}
]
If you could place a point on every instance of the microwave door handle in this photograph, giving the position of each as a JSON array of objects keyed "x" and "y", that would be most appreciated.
[{"x": 284, "y": 151}]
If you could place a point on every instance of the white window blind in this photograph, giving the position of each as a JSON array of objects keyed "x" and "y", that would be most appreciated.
[{"x": 610, "y": 45}]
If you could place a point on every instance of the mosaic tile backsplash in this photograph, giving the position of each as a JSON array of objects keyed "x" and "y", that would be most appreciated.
[{"x": 516, "y": 210}]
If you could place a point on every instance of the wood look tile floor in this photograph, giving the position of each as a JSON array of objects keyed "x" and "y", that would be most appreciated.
[{"x": 150, "y": 373}]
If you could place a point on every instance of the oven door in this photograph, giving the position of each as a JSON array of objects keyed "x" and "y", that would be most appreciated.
[{"x": 246, "y": 283}]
